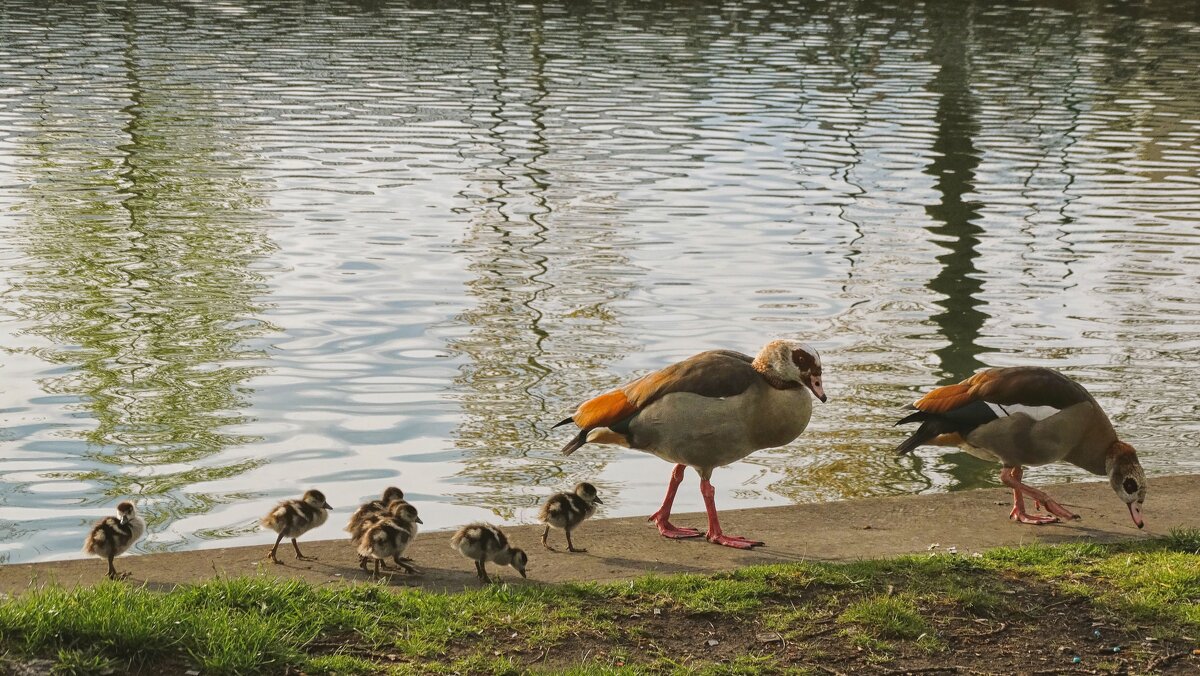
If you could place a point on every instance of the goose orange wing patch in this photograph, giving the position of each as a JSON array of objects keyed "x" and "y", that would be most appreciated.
[
  {"x": 950, "y": 397},
  {"x": 945, "y": 398},
  {"x": 651, "y": 386},
  {"x": 604, "y": 410},
  {"x": 1031, "y": 386},
  {"x": 716, "y": 373}
]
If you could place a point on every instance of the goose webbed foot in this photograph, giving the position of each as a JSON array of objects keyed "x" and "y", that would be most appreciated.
[
  {"x": 403, "y": 563},
  {"x": 1054, "y": 508},
  {"x": 669, "y": 530},
  {"x": 662, "y": 518},
  {"x": 272, "y": 554},
  {"x": 715, "y": 535},
  {"x": 300, "y": 556},
  {"x": 1021, "y": 516},
  {"x": 735, "y": 541},
  {"x": 1011, "y": 477}
]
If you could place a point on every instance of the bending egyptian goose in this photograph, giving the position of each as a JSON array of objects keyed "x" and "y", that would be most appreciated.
[
  {"x": 707, "y": 411},
  {"x": 482, "y": 542},
  {"x": 1028, "y": 415},
  {"x": 293, "y": 518},
  {"x": 112, "y": 535},
  {"x": 389, "y": 536},
  {"x": 568, "y": 510}
]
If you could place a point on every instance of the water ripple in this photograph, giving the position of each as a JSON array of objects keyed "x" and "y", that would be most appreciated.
[{"x": 251, "y": 248}]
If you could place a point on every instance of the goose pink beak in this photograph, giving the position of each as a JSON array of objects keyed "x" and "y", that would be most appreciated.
[
  {"x": 814, "y": 384},
  {"x": 1135, "y": 512}
]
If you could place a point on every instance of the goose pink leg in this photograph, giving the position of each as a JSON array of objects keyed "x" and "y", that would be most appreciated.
[
  {"x": 1011, "y": 477},
  {"x": 714, "y": 534},
  {"x": 662, "y": 518}
]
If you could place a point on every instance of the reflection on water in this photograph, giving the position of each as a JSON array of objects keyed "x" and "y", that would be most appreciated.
[
  {"x": 504, "y": 244},
  {"x": 251, "y": 247},
  {"x": 136, "y": 239},
  {"x": 955, "y": 217}
]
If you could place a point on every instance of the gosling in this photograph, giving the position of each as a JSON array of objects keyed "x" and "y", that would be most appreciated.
[
  {"x": 568, "y": 510},
  {"x": 483, "y": 542},
  {"x": 112, "y": 535},
  {"x": 293, "y": 518},
  {"x": 359, "y": 521},
  {"x": 388, "y": 537},
  {"x": 374, "y": 511}
]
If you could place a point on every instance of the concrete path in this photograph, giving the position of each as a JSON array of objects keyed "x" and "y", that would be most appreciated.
[{"x": 623, "y": 548}]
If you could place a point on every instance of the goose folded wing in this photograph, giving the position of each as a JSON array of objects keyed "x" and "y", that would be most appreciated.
[
  {"x": 715, "y": 374},
  {"x": 1029, "y": 386}
]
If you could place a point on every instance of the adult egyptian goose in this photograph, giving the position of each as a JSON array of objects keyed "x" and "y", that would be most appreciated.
[
  {"x": 112, "y": 535},
  {"x": 1028, "y": 415},
  {"x": 568, "y": 510},
  {"x": 293, "y": 518},
  {"x": 483, "y": 542},
  {"x": 707, "y": 411}
]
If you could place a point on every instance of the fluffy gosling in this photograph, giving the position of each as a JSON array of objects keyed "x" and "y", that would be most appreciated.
[
  {"x": 568, "y": 510},
  {"x": 483, "y": 542},
  {"x": 112, "y": 535},
  {"x": 372, "y": 508},
  {"x": 388, "y": 537},
  {"x": 374, "y": 511},
  {"x": 293, "y": 518}
]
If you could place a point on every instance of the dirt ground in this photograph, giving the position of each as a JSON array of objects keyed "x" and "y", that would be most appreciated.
[
  {"x": 1022, "y": 645},
  {"x": 1038, "y": 631},
  {"x": 1043, "y": 634},
  {"x": 623, "y": 548}
]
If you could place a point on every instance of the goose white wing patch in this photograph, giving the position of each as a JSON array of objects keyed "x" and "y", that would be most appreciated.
[{"x": 1035, "y": 412}]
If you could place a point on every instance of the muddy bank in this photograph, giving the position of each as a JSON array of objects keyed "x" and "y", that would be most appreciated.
[{"x": 627, "y": 547}]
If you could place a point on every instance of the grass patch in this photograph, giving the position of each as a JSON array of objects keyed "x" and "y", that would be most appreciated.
[
  {"x": 792, "y": 617},
  {"x": 1184, "y": 540},
  {"x": 342, "y": 664},
  {"x": 886, "y": 617},
  {"x": 732, "y": 593},
  {"x": 81, "y": 663},
  {"x": 980, "y": 602},
  {"x": 1149, "y": 582}
]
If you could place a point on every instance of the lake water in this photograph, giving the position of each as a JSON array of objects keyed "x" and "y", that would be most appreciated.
[{"x": 251, "y": 247}]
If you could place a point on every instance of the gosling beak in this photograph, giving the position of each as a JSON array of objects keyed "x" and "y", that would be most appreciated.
[
  {"x": 522, "y": 572},
  {"x": 598, "y": 501},
  {"x": 419, "y": 520},
  {"x": 327, "y": 506},
  {"x": 1135, "y": 512}
]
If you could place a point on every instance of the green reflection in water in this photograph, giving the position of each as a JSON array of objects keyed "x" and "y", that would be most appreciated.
[
  {"x": 140, "y": 229},
  {"x": 521, "y": 298},
  {"x": 953, "y": 167},
  {"x": 850, "y": 463}
]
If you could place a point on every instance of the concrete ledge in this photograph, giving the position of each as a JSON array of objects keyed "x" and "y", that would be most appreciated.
[{"x": 628, "y": 547}]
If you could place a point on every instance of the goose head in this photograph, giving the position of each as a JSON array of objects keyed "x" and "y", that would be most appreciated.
[
  {"x": 316, "y": 499},
  {"x": 126, "y": 511},
  {"x": 792, "y": 362},
  {"x": 1127, "y": 479},
  {"x": 588, "y": 492},
  {"x": 518, "y": 559},
  {"x": 405, "y": 511}
]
